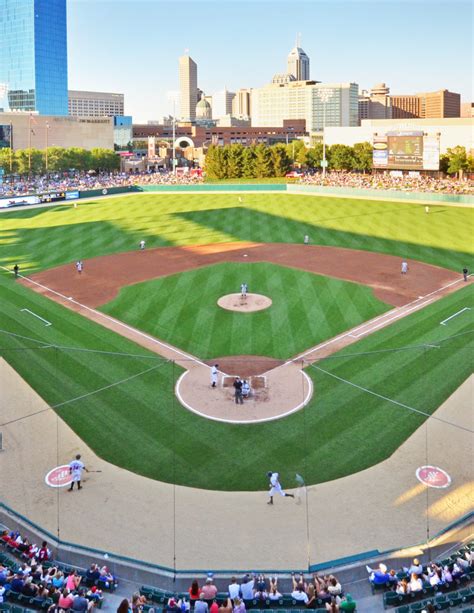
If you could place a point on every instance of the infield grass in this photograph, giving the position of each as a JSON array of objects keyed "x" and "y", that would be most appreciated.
[{"x": 306, "y": 310}]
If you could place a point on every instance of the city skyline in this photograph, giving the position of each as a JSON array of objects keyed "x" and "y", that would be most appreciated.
[{"x": 245, "y": 44}]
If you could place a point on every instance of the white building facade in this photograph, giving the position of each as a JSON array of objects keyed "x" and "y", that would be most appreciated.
[{"x": 331, "y": 104}]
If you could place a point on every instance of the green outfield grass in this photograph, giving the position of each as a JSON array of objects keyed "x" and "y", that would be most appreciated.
[
  {"x": 139, "y": 425},
  {"x": 307, "y": 309},
  {"x": 44, "y": 238}
]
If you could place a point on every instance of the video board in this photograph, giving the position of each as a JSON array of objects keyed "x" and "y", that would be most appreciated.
[
  {"x": 6, "y": 135},
  {"x": 406, "y": 151}
]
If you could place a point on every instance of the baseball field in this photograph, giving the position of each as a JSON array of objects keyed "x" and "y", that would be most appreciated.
[{"x": 119, "y": 396}]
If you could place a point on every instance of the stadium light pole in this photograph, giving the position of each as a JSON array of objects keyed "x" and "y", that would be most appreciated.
[
  {"x": 174, "y": 137},
  {"x": 324, "y": 95}
]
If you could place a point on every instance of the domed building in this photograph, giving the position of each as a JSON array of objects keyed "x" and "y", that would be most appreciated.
[{"x": 203, "y": 110}]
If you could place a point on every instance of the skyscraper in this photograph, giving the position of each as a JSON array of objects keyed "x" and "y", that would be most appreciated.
[
  {"x": 33, "y": 56},
  {"x": 298, "y": 63},
  {"x": 188, "y": 88}
]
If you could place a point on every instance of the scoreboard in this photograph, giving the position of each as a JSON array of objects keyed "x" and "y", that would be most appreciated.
[{"x": 414, "y": 150}]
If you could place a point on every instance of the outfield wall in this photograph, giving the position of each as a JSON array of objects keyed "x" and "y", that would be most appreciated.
[{"x": 381, "y": 194}]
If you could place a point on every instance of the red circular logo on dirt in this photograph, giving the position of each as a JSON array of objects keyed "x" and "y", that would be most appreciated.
[
  {"x": 59, "y": 476},
  {"x": 432, "y": 476}
]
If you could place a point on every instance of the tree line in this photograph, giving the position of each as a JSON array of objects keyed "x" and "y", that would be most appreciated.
[
  {"x": 57, "y": 159},
  {"x": 261, "y": 161}
]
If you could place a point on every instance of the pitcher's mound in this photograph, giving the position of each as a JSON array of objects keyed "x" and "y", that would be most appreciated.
[{"x": 249, "y": 304}]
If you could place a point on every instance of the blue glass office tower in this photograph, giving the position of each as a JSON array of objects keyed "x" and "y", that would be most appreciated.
[{"x": 33, "y": 56}]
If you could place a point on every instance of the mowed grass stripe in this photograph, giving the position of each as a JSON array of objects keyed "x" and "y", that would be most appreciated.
[{"x": 198, "y": 325}]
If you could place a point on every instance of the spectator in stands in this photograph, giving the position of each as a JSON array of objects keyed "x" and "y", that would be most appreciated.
[
  {"x": 239, "y": 606},
  {"x": 214, "y": 608},
  {"x": 29, "y": 588},
  {"x": 73, "y": 581},
  {"x": 435, "y": 576},
  {"x": 106, "y": 578},
  {"x": 462, "y": 563},
  {"x": 138, "y": 601},
  {"x": 334, "y": 587},
  {"x": 380, "y": 576},
  {"x": 95, "y": 595},
  {"x": 44, "y": 553},
  {"x": 2, "y": 592},
  {"x": 298, "y": 592},
  {"x": 234, "y": 589},
  {"x": 347, "y": 604},
  {"x": 124, "y": 607},
  {"x": 194, "y": 591},
  {"x": 415, "y": 567},
  {"x": 50, "y": 575},
  {"x": 416, "y": 584},
  {"x": 457, "y": 571},
  {"x": 17, "y": 584},
  {"x": 321, "y": 586},
  {"x": 172, "y": 605},
  {"x": 81, "y": 604},
  {"x": 246, "y": 587},
  {"x": 274, "y": 594},
  {"x": 447, "y": 576},
  {"x": 66, "y": 600},
  {"x": 200, "y": 605},
  {"x": 3, "y": 574},
  {"x": 93, "y": 574},
  {"x": 184, "y": 605},
  {"x": 209, "y": 589},
  {"x": 58, "y": 580},
  {"x": 403, "y": 587},
  {"x": 226, "y": 606},
  {"x": 311, "y": 593},
  {"x": 260, "y": 591},
  {"x": 332, "y": 606}
]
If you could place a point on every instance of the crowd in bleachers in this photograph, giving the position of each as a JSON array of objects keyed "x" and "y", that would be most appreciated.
[
  {"x": 405, "y": 183},
  {"x": 36, "y": 580},
  {"x": 436, "y": 582},
  {"x": 21, "y": 186},
  {"x": 323, "y": 592}
]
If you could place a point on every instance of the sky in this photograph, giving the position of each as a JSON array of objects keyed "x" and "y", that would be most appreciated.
[{"x": 133, "y": 46}]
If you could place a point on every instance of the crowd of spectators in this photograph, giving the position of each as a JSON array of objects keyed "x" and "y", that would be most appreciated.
[
  {"x": 405, "y": 183},
  {"x": 414, "y": 579},
  {"x": 21, "y": 186},
  {"x": 255, "y": 591},
  {"x": 47, "y": 584}
]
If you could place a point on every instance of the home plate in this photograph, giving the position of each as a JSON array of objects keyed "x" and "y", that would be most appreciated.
[
  {"x": 245, "y": 255},
  {"x": 69, "y": 297}
]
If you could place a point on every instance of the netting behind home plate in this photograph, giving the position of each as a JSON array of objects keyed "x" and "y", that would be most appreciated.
[{"x": 183, "y": 490}]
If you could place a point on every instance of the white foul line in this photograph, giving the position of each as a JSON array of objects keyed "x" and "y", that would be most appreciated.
[
  {"x": 47, "y": 323},
  {"x": 371, "y": 328},
  {"x": 443, "y": 323},
  {"x": 187, "y": 356}
]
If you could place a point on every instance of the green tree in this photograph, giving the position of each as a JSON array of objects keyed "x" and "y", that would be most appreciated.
[
  {"x": 294, "y": 148},
  {"x": 57, "y": 159},
  {"x": 100, "y": 159},
  {"x": 216, "y": 163},
  {"x": 281, "y": 161},
  {"x": 29, "y": 161},
  {"x": 341, "y": 157},
  {"x": 362, "y": 156},
  {"x": 444, "y": 163},
  {"x": 457, "y": 160},
  {"x": 263, "y": 161},
  {"x": 7, "y": 159},
  {"x": 248, "y": 162},
  {"x": 235, "y": 161},
  {"x": 314, "y": 156}
]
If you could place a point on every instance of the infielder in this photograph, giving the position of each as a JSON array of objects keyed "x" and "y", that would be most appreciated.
[
  {"x": 142, "y": 244},
  {"x": 75, "y": 469},
  {"x": 404, "y": 267},
  {"x": 275, "y": 487},
  {"x": 306, "y": 239},
  {"x": 214, "y": 374},
  {"x": 79, "y": 266}
]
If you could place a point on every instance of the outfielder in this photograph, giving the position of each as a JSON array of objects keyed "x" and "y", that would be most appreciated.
[{"x": 275, "y": 487}]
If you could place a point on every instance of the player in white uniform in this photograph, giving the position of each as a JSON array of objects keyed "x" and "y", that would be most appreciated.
[
  {"x": 79, "y": 266},
  {"x": 214, "y": 375},
  {"x": 275, "y": 487},
  {"x": 75, "y": 469},
  {"x": 142, "y": 245},
  {"x": 404, "y": 267},
  {"x": 243, "y": 290}
]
